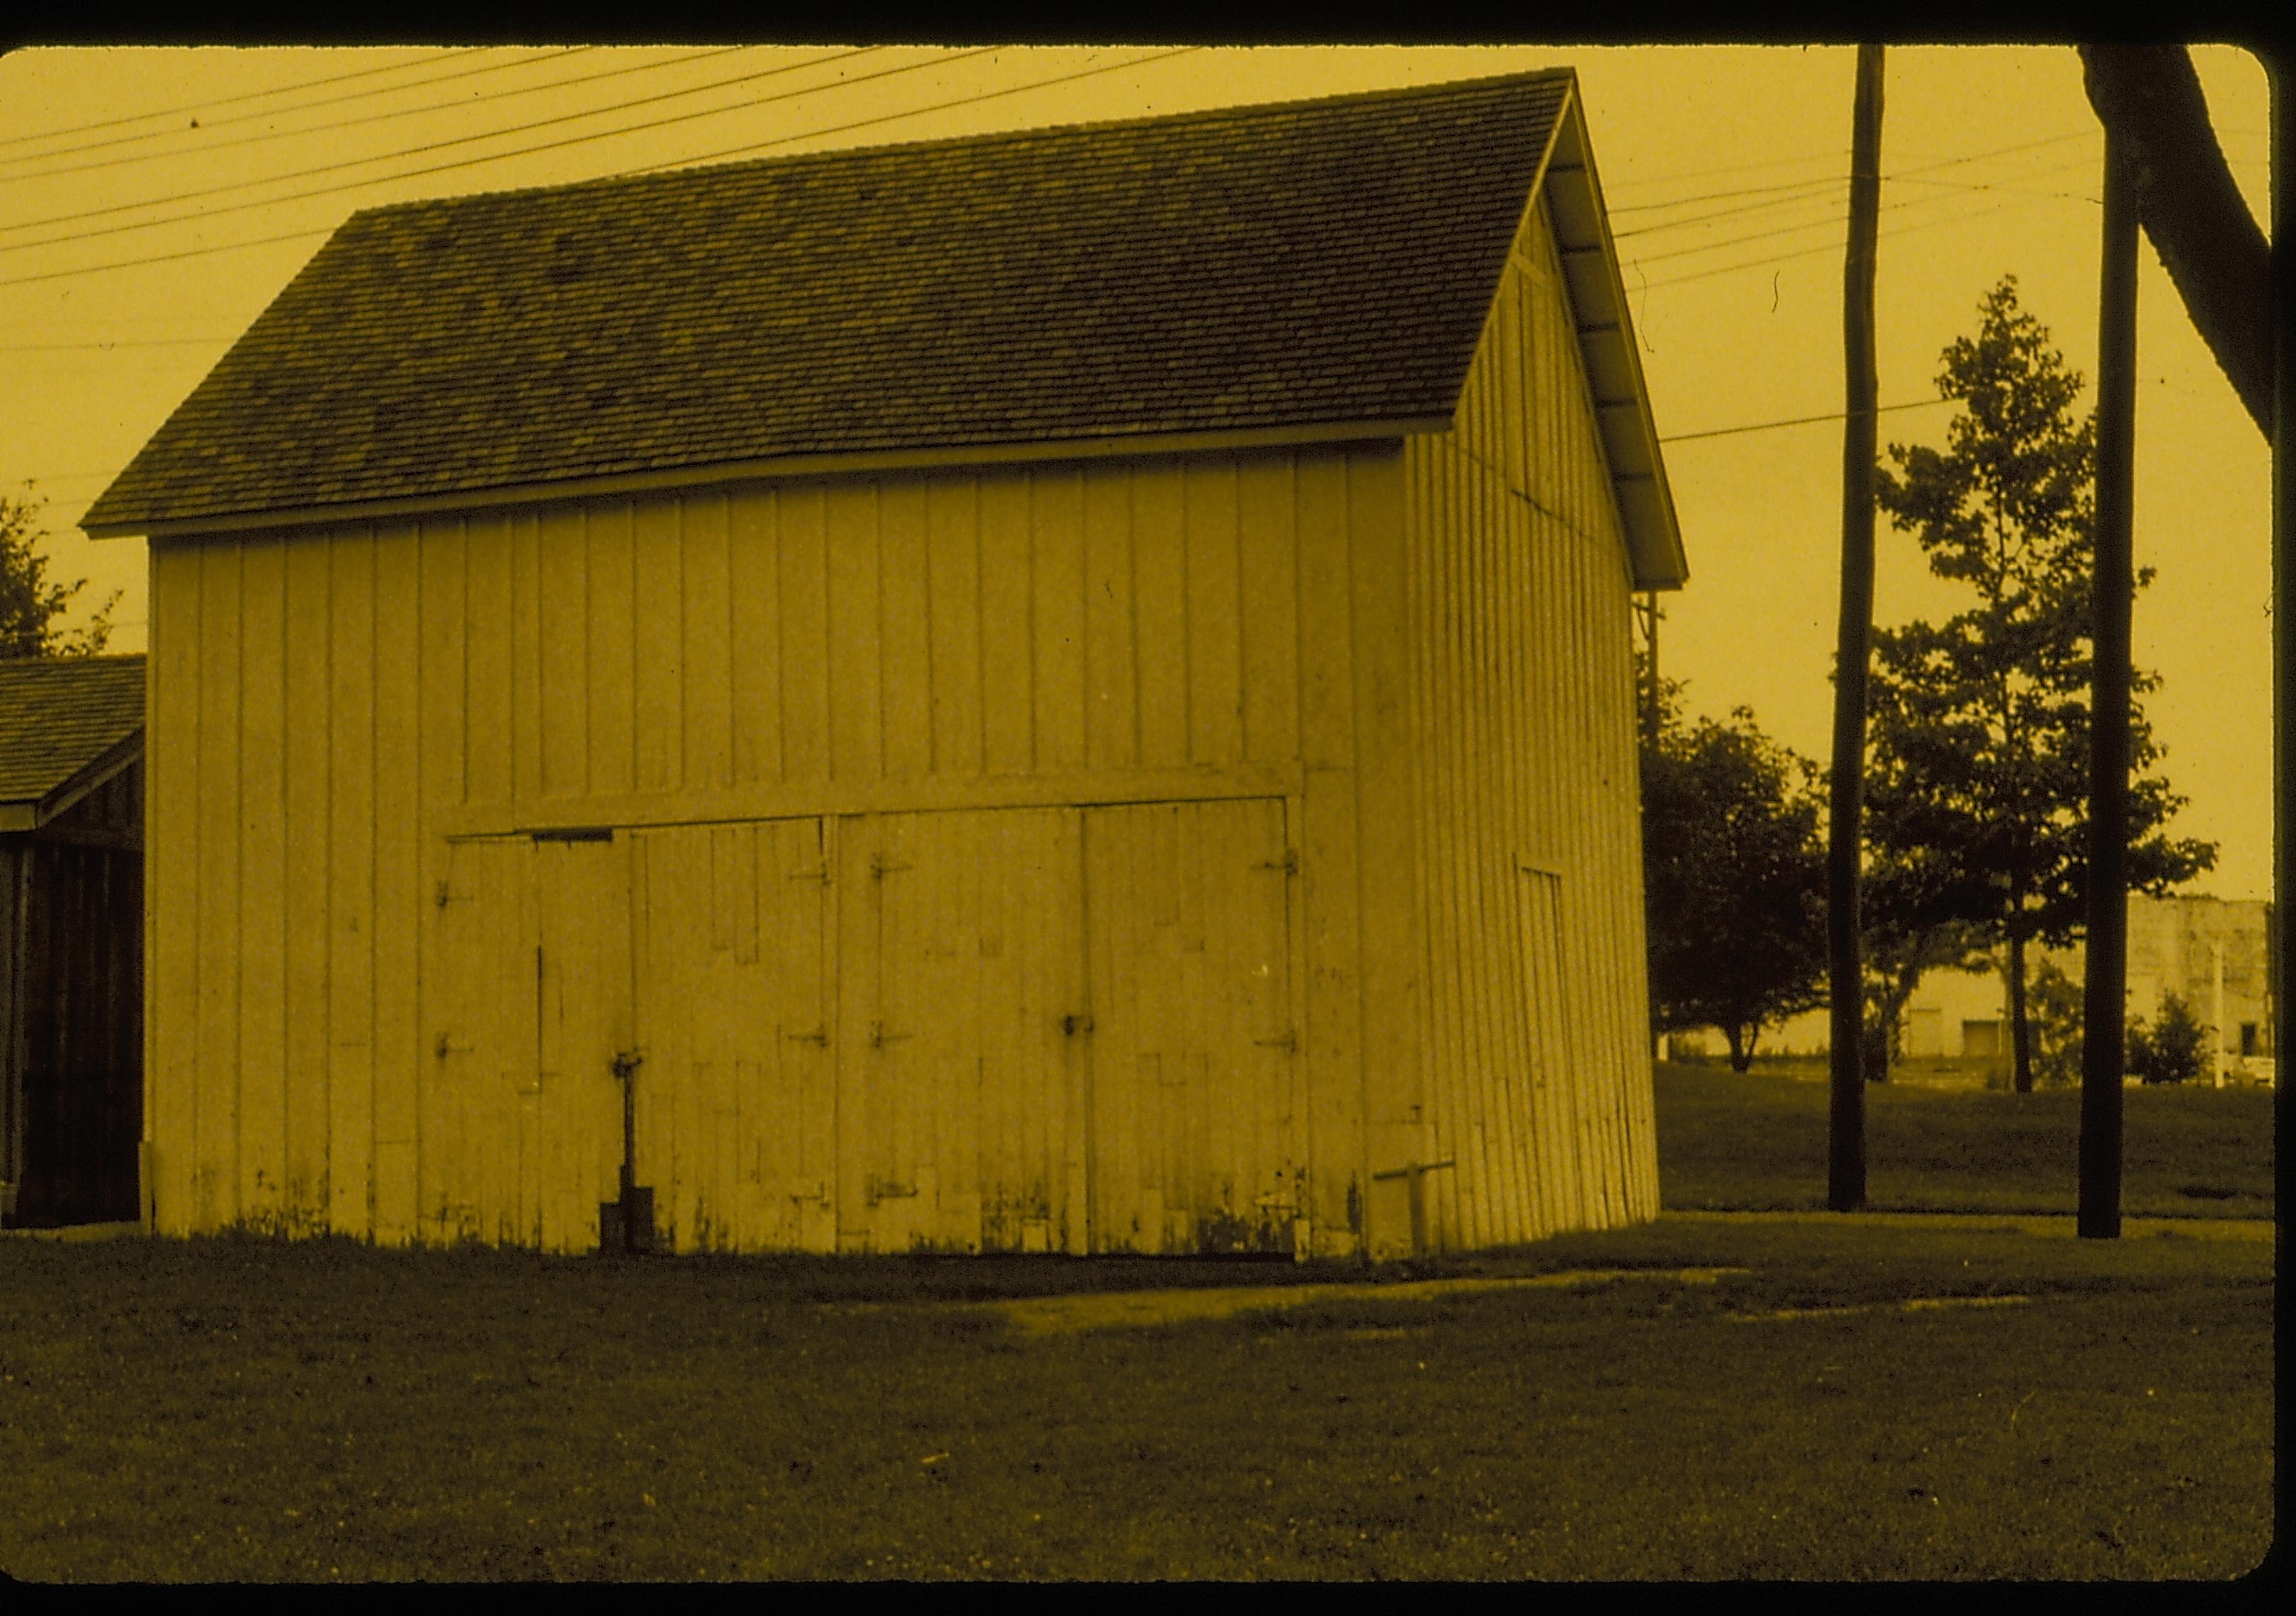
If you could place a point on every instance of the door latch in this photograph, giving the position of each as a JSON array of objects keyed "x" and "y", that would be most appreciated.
[{"x": 625, "y": 1064}]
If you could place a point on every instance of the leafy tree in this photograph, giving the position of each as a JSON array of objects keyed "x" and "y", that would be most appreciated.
[
  {"x": 2173, "y": 1049},
  {"x": 29, "y": 605},
  {"x": 2056, "y": 1004},
  {"x": 1978, "y": 781},
  {"x": 1734, "y": 877}
]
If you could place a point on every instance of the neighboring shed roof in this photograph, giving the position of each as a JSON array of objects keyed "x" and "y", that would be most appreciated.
[
  {"x": 1304, "y": 265},
  {"x": 66, "y": 724}
]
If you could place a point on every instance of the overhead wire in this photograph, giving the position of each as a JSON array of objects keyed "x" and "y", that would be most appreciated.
[
  {"x": 865, "y": 123},
  {"x": 206, "y": 147},
  {"x": 288, "y": 89},
  {"x": 680, "y": 162},
  {"x": 436, "y": 145}
]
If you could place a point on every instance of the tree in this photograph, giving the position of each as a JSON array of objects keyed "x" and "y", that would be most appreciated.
[
  {"x": 1980, "y": 725},
  {"x": 2172, "y": 1049},
  {"x": 2150, "y": 97},
  {"x": 29, "y": 605},
  {"x": 1734, "y": 877}
]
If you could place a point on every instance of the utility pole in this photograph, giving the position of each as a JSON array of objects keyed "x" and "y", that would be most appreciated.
[
  {"x": 1846, "y": 1154},
  {"x": 2113, "y": 587}
]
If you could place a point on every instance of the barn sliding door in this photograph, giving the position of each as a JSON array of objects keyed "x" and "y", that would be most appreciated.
[
  {"x": 960, "y": 1029},
  {"x": 1196, "y": 1138},
  {"x": 524, "y": 1137},
  {"x": 736, "y": 1101}
]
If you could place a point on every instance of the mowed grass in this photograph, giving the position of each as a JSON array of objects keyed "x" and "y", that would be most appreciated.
[
  {"x": 242, "y": 1410},
  {"x": 1759, "y": 1141}
]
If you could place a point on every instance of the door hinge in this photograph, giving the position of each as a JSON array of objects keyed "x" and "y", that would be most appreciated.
[
  {"x": 879, "y": 1037},
  {"x": 1289, "y": 864},
  {"x": 886, "y": 1189},
  {"x": 447, "y": 1046},
  {"x": 819, "y": 1035},
  {"x": 879, "y": 868},
  {"x": 1288, "y": 1042},
  {"x": 445, "y": 894},
  {"x": 817, "y": 874},
  {"x": 1070, "y": 1025}
]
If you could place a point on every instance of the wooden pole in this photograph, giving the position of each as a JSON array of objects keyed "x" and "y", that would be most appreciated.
[
  {"x": 2113, "y": 590},
  {"x": 1846, "y": 1154}
]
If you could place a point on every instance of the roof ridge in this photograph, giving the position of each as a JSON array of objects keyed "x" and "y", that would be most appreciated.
[{"x": 983, "y": 139}]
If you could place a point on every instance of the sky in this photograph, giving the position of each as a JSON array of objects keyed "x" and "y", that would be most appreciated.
[{"x": 153, "y": 202}]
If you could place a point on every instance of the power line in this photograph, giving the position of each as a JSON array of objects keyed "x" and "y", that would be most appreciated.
[
  {"x": 1930, "y": 167},
  {"x": 436, "y": 145},
  {"x": 919, "y": 113},
  {"x": 293, "y": 235},
  {"x": 1769, "y": 426},
  {"x": 206, "y": 145},
  {"x": 193, "y": 106}
]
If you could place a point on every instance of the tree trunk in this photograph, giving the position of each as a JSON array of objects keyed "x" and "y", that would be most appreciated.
[
  {"x": 2020, "y": 1034},
  {"x": 1741, "y": 1046},
  {"x": 2149, "y": 101}
]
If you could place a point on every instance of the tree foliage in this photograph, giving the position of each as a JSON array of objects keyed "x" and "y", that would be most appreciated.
[
  {"x": 1978, "y": 783},
  {"x": 30, "y": 605},
  {"x": 2172, "y": 1049},
  {"x": 1733, "y": 868}
]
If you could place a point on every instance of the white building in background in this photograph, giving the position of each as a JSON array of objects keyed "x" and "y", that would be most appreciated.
[{"x": 2215, "y": 954}]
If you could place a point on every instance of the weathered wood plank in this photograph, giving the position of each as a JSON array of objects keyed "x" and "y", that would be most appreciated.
[
  {"x": 657, "y": 547},
  {"x": 954, "y": 607},
  {"x": 562, "y": 560},
  {"x": 1215, "y": 610},
  {"x": 261, "y": 891},
  {"x": 1057, "y": 516},
  {"x": 1111, "y": 730},
  {"x": 1159, "y": 582},
  {"x": 1007, "y": 629},
  {"x": 611, "y": 652},
  {"x": 706, "y": 660},
  {"x": 904, "y": 627},
  {"x": 216, "y": 1176},
  {"x": 351, "y": 886},
  {"x": 304, "y": 889},
  {"x": 855, "y": 651},
  {"x": 398, "y": 872}
]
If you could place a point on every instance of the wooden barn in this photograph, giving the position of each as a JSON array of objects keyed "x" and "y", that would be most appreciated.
[
  {"x": 1061, "y": 691},
  {"x": 71, "y": 938}
]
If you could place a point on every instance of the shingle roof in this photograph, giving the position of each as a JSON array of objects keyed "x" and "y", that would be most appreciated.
[
  {"x": 58, "y": 715},
  {"x": 1314, "y": 262}
]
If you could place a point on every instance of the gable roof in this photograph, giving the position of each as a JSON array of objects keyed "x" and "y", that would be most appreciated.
[
  {"x": 67, "y": 724},
  {"x": 1312, "y": 268}
]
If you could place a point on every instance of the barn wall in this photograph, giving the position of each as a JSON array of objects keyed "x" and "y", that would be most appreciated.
[
  {"x": 340, "y": 717},
  {"x": 71, "y": 1009},
  {"x": 1522, "y": 677}
]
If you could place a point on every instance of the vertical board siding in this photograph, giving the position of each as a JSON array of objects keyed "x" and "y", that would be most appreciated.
[
  {"x": 361, "y": 1026},
  {"x": 1522, "y": 668}
]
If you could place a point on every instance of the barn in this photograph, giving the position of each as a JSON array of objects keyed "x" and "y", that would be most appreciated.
[
  {"x": 1066, "y": 691},
  {"x": 71, "y": 938}
]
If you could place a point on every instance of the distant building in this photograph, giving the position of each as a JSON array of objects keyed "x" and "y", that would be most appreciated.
[{"x": 2215, "y": 954}]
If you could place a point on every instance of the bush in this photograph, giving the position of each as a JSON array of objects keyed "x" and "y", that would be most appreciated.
[{"x": 2173, "y": 1049}]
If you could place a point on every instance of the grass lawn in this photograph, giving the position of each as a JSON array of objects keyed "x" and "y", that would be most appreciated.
[
  {"x": 1760, "y": 1141},
  {"x": 1709, "y": 1397}
]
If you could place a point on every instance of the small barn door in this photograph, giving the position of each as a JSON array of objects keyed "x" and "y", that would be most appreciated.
[
  {"x": 536, "y": 1003},
  {"x": 961, "y": 1032},
  {"x": 583, "y": 1010},
  {"x": 737, "y": 1110},
  {"x": 1196, "y": 1141}
]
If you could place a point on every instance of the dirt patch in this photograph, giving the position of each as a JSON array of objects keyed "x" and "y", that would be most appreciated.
[
  {"x": 1917, "y": 1304},
  {"x": 1146, "y": 1309}
]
